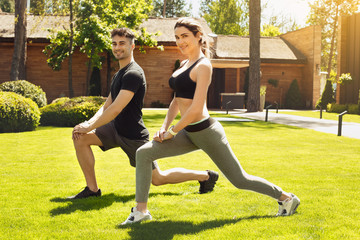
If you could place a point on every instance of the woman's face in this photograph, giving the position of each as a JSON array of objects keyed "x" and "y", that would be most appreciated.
[{"x": 186, "y": 41}]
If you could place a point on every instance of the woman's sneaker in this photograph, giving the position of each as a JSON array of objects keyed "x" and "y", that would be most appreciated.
[
  {"x": 208, "y": 185},
  {"x": 288, "y": 207},
  {"x": 137, "y": 216}
]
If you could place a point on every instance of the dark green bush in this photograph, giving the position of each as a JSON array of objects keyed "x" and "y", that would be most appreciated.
[
  {"x": 26, "y": 89},
  {"x": 66, "y": 112},
  {"x": 353, "y": 109},
  {"x": 17, "y": 113},
  {"x": 327, "y": 96},
  {"x": 293, "y": 99},
  {"x": 336, "y": 108}
]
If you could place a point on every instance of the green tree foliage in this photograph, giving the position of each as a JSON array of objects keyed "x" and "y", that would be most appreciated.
[
  {"x": 227, "y": 16},
  {"x": 293, "y": 99},
  {"x": 326, "y": 13},
  {"x": 174, "y": 8},
  {"x": 270, "y": 31},
  {"x": 7, "y": 6},
  {"x": 95, "y": 82},
  {"x": 327, "y": 96},
  {"x": 94, "y": 19}
]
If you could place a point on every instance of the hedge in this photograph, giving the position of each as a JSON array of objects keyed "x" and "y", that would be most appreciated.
[
  {"x": 26, "y": 89},
  {"x": 66, "y": 112},
  {"x": 17, "y": 113}
]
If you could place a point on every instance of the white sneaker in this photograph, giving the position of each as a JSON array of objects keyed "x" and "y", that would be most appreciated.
[
  {"x": 137, "y": 216},
  {"x": 288, "y": 207}
]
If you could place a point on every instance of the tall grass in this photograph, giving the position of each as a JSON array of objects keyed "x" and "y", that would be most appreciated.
[{"x": 39, "y": 169}]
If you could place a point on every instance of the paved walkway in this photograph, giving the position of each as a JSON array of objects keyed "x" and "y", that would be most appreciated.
[{"x": 351, "y": 130}]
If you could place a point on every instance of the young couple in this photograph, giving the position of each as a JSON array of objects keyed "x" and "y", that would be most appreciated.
[{"x": 119, "y": 124}]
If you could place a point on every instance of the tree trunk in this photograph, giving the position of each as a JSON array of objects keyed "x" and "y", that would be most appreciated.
[
  {"x": 332, "y": 46},
  {"x": 253, "y": 102},
  {"x": 164, "y": 10},
  {"x": 18, "y": 65},
  {"x": 108, "y": 73},
  {"x": 71, "y": 90}
]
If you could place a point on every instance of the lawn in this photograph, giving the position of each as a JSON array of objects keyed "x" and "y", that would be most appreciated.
[
  {"x": 39, "y": 169},
  {"x": 325, "y": 115}
]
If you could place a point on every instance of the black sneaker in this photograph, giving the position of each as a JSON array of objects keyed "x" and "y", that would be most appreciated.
[
  {"x": 208, "y": 185},
  {"x": 86, "y": 193}
]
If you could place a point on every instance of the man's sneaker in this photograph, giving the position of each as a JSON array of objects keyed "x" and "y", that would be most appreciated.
[
  {"x": 86, "y": 193},
  {"x": 288, "y": 207},
  {"x": 137, "y": 216},
  {"x": 208, "y": 185}
]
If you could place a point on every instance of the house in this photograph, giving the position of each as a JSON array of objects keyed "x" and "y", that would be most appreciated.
[
  {"x": 348, "y": 60},
  {"x": 294, "y": 55}
]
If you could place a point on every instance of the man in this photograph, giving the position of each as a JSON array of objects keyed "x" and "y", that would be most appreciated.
[{"x": 119, "y": 123}]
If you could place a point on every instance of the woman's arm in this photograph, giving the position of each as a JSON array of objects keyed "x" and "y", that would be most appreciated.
[{"x": 170, "y": 116}]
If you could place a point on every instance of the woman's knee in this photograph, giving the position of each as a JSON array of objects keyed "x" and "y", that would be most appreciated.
[{"x": 144, "y": 154}]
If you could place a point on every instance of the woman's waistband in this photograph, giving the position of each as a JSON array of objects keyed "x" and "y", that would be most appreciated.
[{"x": 200, "y": 126}]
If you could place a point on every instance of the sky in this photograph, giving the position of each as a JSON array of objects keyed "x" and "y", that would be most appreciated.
[{"x": 296, "y": 9}]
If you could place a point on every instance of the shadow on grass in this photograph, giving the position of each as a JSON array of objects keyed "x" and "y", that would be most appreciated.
[
  {"x": 168, "y": 229},
  {"x": 94, "y": 203}
]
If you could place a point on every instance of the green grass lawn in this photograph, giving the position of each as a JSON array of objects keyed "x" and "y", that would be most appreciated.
[
  {"x": 39, "y": 169},
  {"x": 325, "y": 115}
]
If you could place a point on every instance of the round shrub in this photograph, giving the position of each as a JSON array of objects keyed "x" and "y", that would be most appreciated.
[
  {"x": 26, "y": 89},
  {"x": 66, "y": 112},
  {"x": 17, "y": 113}
]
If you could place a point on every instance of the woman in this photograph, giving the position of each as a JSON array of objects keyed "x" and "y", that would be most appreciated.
[{"x": 196, "y": 129}]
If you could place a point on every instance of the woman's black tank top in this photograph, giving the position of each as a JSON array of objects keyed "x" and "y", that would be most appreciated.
[{"x": 182, "y": 84}]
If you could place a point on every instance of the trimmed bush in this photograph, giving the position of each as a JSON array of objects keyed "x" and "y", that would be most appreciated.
[
  {"x": 17, "y": 113},
  {"x": 353, "y": 109},
  {"x": 293, "y": 99},
  {"x": 26, "y": 89},
  {"x": 336, "y": 108},
  {"x": 66, "y": 112},
  {"x": 339, "y": 108}
]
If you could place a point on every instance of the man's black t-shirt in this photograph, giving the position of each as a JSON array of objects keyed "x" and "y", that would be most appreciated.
[{"x": 129, "y": 122}]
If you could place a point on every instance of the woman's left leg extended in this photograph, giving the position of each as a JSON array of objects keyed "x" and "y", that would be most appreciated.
[
  {"x": 153, "y": 150},
  {"x": 212, "y": 140}
]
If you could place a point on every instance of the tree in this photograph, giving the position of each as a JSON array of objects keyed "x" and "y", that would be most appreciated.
[
  {"x": 293, "y": 99},
  {"x": 270, "y": 31},
  {"x": 226, "y": 16},
  {"x": 173, "y": 8},
  {"x": 7, "y": 6},
  {"x": 326, "y": 13},
  {"x": 94, "y": 19},
  {"x": 18, "y": 65},
  {"x": 253, "y": 102},
  {"x": 37, "y": 7}
]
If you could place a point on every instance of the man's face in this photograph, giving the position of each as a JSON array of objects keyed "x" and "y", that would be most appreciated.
[{"x": 122, "y": 47}]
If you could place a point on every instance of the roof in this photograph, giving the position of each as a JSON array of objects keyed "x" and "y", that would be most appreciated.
[
  {"x": 36, "y": 25},
  {"x": 272, "y": 49}
]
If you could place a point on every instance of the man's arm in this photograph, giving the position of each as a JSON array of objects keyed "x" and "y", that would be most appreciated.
[
  {"x": 109, "y": 113},
  {"x": 107, "y": 103}
]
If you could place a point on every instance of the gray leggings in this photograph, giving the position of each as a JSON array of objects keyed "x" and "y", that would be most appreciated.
[{"x": 213, "y": 142}]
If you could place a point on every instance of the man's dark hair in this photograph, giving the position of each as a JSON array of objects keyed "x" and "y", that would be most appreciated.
[{"x": 123, "y": 32}]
